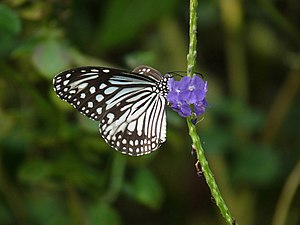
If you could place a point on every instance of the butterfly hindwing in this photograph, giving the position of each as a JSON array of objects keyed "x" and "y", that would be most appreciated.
[{"x": 140, "y": 128}]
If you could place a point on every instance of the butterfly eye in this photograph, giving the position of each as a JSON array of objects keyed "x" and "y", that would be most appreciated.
[{"x": 130, "y": 106}]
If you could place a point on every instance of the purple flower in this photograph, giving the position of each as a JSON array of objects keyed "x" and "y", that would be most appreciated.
[
  {"x": 186, "y": 92},
  {"x": 182, "y": 107},
  {"x": 199, "y": 107},
  {"x": 174, "y": 90}
]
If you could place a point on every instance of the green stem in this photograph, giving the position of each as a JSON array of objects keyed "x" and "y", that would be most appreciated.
[
  {"x": 116, "y": 179},
  {"x": 289, "y": 191},
  {"x": 209, "y": 177},
  {"x": 191, "y": 57}
]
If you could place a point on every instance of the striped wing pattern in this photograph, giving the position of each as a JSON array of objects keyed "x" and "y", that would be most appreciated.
[{"x": 129, "y": 106}]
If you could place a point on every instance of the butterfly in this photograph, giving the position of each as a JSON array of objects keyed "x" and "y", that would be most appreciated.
[{"x": 130, "y": 106}]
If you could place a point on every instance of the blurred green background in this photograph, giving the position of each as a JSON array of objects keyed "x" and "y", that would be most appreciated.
[{"x": 55, "y": 169}]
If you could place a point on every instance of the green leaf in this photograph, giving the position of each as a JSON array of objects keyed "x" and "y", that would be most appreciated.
[
  {"x": 46, "y": 209},
  {"x": 51, "y": 57},
  {"x": 120, "y": 26},
  {"x": 35, "y": 171},
  {"x": 9, "y": 21},
  {"x": 73, "y": 170},
  {"x": 10, "y": 26},
  {"x": 146, "y": 189},
  {"x": 104, "y": 215},
  {"x": 17, "y": 139}
]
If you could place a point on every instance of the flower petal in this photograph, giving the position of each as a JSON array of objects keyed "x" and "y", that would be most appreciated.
[{"x": 186, "y": 92}]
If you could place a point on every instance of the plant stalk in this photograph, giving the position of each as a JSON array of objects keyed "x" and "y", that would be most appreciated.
[{"x": 209, "y": 177}]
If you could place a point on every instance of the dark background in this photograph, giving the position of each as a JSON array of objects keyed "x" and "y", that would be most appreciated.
[{"x": 56, "y": 169}]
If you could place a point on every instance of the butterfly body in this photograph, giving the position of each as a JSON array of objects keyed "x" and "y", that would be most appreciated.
[{"x": 130, "y": 106}]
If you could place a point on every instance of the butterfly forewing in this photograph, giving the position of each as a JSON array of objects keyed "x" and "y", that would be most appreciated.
[
  {"x": 129, "y": 106},
  {"x": 88, "y": 89}
]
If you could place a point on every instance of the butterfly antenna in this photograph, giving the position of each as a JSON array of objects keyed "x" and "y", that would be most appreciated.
[{"x": 183, "y": 73}]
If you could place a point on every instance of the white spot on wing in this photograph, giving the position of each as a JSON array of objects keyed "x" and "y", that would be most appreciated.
[
  {"x": 92, "y": 90},
  {"x": 82, "y": 86},
  {"x": 110, "y": 117},
  {"x": 110, "y": 90},
  {"x": 99, "y": 110},
  {"x": 102, "y": 86},
  {"x": 99, "y": 98},
  {"x": 131, "y": 126},
  {"x": 66, "y": 82}
]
